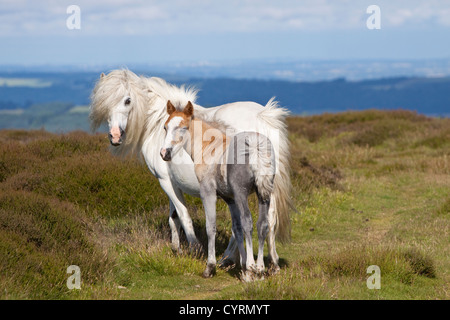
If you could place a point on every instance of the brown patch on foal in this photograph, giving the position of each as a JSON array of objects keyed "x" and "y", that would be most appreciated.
[{"x": 208, "y": 153}]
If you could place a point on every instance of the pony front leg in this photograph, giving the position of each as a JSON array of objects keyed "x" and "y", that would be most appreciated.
[
  {"x": 231, "y": 255},
  {"x": 238, "y": 233},
  {"x": 176, "y": 197},
  {"x": 209, "y": 199},
  {"x": 175, "y": 227}
]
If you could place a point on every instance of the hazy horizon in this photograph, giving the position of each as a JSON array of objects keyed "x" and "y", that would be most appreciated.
[{"x": 262, "y": 69}]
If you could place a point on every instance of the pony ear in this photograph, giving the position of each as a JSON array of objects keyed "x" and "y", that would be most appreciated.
[
  {"x": 170, "y": 108},
  {"x": 102, "y": 75},
  {"x": 189, "y": 109}
]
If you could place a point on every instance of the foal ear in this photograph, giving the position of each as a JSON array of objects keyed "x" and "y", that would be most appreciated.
[
  {"x": 189, "y": 109},
  {"x": 102, "y": 75},
  {"x": 170, "y": 108}
]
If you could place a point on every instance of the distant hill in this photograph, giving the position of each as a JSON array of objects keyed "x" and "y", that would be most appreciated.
[
  {"x": 25, "y": 96},
  {"x": 429, "y": 96},
  {"x": 23, "y": 89}
]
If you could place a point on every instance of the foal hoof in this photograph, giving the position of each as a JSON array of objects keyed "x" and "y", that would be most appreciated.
[
  {"x": 209, "y": 271},
  {"x": 248, "y": 276}
]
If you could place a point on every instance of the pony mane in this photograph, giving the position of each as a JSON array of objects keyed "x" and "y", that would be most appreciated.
[
  {"x": 179, "y": 96},
  {"x": 216, "y": 124},
  {"x": 160, "y": 92},
  {"x": 108, "y": 92},
  {"x": 148, "y": 113}
]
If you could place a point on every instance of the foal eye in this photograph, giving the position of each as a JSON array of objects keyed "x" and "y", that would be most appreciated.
[{"x": 128, "y": 101}]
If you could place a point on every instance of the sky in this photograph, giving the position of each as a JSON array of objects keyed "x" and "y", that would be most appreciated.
[{"x": 120, "y": 33}]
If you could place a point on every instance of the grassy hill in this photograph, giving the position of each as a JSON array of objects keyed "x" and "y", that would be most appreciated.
[
  {"x": 55, "y": 117},
  {"x": 372, "y": 188}
]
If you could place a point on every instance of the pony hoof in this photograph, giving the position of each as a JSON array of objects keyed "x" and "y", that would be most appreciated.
[
  {"x": 209, "y": 271},
  {"x": 177, "y": 250},
  {"x": 274, "y": 269}
]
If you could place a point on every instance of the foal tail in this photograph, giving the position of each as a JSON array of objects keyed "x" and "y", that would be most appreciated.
[
  {"x": 272, "y": 122},
  {"x": 262, "y": 164}
]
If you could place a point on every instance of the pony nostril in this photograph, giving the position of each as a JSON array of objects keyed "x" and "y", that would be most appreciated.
[{"x": 166, "y": 154}]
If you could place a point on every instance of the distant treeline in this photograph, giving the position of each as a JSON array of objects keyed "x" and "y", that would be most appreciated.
[{"x": 429, "y": 96}]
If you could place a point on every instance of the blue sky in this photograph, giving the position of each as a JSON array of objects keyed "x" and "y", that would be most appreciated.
[{"x": 120, "y": 33}]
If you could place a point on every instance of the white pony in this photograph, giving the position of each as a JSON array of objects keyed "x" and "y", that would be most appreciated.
[{"x": 135, "y": 109}]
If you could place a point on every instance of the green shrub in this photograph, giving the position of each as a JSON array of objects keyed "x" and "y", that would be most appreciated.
[{"x": 39, "y": 238}]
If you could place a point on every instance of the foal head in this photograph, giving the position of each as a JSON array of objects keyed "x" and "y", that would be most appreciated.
[{"x": 177, "y": 129}]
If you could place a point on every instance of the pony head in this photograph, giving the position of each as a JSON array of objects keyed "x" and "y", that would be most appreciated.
[
  {"x": 119, "y": 99},
  {"x": 177, "y": 129}
]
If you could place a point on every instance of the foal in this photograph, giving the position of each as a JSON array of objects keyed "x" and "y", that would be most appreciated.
[{"x": 232, "y": 170}]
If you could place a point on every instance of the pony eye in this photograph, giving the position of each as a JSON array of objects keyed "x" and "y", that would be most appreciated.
[{"x": 128, "y": 101}]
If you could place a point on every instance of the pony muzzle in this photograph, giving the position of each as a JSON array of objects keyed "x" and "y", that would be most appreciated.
[
  {"x": 166, "y": 154},
  {"x": 116, "y": 135}
]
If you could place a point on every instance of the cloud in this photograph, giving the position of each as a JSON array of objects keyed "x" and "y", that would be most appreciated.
[{"x": 120, "y": 17}]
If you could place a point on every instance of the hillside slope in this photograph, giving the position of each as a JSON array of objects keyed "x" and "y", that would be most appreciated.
[{"x": 372, "y": 188}]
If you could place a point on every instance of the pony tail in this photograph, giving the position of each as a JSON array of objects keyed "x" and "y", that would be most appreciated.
[
  {"x": 262, "y": 164},
  {"x": 274, "y": 117}
]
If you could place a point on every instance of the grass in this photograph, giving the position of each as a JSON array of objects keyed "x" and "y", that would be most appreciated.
[{"x": 372, "y": 188}]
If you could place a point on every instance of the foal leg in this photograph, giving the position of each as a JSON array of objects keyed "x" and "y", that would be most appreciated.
[
  {"x": 209, "y": 198},
  {"x": 263, "y": 229},
  {"x": 247, "y": 224},
  {"x": 248, "y": 231}
]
